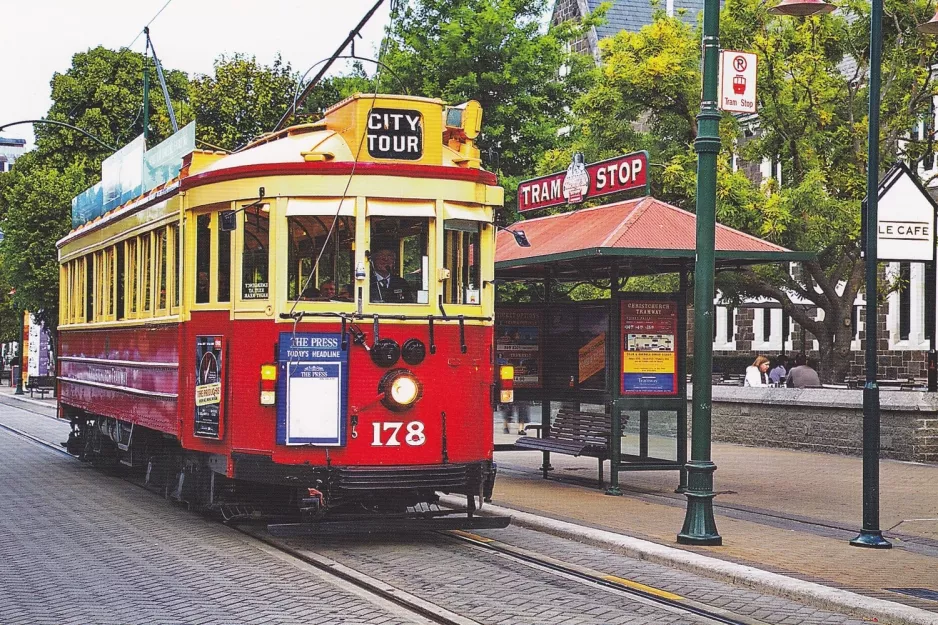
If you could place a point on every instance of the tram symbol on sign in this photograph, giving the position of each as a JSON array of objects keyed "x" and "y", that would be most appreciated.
[
  {"x": 739, "y": 85},
  {"x": 739, "y": 64}
]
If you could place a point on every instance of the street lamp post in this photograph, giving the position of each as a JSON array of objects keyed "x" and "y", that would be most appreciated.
[
  {"x": 870, "y": 534},
  {"x": 699, "y": 525}
]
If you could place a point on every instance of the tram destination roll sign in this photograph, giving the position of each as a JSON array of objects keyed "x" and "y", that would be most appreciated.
[
  {"x": 395, "y": 134},
  {"x": 582, "y": 182}
]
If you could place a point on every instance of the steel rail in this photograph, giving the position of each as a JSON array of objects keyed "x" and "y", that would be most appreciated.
[{"x": 648, "y": 593}]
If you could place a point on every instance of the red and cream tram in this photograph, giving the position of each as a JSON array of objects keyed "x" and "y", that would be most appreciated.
[{"x": 310, "y": 317}]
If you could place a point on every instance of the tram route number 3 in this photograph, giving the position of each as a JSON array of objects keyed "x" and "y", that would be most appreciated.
[{"x": 388, "y": 433}]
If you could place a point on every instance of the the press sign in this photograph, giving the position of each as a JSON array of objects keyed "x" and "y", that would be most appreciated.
[{"x": 395, "y": 134}]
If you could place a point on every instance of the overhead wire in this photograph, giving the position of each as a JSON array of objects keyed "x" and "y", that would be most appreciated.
[
  {"x": 348, "y": 184},
  {"x": 145, "y": 26}
]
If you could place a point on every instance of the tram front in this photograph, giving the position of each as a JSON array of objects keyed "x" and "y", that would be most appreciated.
[{"x": 354, "y": 259}]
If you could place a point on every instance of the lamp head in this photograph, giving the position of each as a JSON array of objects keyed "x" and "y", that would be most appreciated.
[
  {"x": 802, "y": 8},
  {"x": 520, "y": 238}
]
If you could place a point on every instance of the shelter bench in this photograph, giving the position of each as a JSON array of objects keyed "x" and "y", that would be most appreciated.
[
  {"x": 574, "y": 433},
  {"x": 41, "y": 384}
]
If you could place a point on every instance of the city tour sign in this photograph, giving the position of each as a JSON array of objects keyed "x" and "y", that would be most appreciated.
[
  {"x": 581, "y": 181},
  {"x": 738, "y": 81}
]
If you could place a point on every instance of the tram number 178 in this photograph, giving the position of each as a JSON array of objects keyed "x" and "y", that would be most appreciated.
[{"x": 413, "y": 434}]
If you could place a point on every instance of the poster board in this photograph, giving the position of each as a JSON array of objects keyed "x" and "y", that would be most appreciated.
[
  {"x": 649, "y": 347},
  {"x": 312, "y": 379},
  {"x": 518, "y": 342},
  {"x": 209, "y": 360}
]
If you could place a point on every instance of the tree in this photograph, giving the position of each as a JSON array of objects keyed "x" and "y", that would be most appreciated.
[
  {"x": 242, "y": 100},
  {"x": 496, "y": 52},
  {"x": 812, "y": 120}
]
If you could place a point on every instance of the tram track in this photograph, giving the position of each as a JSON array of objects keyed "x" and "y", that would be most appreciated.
[{"x": 424, "y": 611}]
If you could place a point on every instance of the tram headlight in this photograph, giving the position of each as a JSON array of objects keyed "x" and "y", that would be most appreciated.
[{"x": 401, "y": 390}]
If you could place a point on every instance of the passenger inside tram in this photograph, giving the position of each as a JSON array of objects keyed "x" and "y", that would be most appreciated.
[{"x": 309, "y": 234}]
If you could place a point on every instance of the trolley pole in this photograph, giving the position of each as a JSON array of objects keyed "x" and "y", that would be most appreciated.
[{"x": 699, "y": 525}]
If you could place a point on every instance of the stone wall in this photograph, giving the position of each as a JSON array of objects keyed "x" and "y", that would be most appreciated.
[{"x": 823, "y": 420}]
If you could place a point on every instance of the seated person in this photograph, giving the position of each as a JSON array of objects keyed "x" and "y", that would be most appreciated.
[
  {"x": 327, "y": 290},
  {"x": 386, "y": 287}
]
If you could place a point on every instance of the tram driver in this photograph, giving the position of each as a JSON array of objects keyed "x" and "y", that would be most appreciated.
[{"x": 386, "y": 286}]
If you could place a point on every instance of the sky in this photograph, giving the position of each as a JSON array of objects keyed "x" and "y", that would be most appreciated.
[{"x": 39, "y": 37}]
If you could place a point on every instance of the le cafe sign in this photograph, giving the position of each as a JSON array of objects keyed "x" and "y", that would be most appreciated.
[
  {"x": 582, "y": 181},
  {"x": 395, "y": 134}
]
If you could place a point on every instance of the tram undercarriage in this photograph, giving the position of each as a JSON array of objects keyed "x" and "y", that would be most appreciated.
[{"x": 301, "y": 499}]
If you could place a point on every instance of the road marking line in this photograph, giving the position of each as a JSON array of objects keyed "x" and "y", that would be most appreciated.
[{"x": 637, "y": 586}]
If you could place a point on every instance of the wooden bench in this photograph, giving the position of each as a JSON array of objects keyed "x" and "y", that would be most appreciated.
[
  {"x": 41, "y": 384},
  {"x": 574, "y": 433}
]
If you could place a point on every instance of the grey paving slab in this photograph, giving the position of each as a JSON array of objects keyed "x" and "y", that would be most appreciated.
[{"x": 77, "y": 546}]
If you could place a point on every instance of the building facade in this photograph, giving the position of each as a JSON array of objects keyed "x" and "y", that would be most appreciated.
[{"x": 10, "y": 150}]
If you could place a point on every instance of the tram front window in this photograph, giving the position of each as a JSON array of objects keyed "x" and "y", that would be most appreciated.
[
  {"x": 333, "y": 278},
  {"x": 399, "y": 261}
]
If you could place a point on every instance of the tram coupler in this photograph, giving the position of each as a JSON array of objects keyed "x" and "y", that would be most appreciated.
[{"x": 313, "y": 505}]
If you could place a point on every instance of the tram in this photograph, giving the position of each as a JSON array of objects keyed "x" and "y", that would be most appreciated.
[{"x": 308, "y": 319}]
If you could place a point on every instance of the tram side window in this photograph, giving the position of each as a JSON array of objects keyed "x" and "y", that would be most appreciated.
[
  {"x": 224, "y": 265},
  {"x": 110, "y": 255},
  {"x": 399, "y": 261},
  {"x": 203, "y": 260},
  {"x": 132, "y": 277},
  {"x": 255, "y": 263},
  {"x": 161, "y": 261},
  {"x": 121, "y": 272},
  {"x": 89, "y": 289},
  {"x": 461, "y": 256},
  {"x": 177, "y": 262},
  {"x": 333, "y": 278},
  {"x": 146, "y": 272}
]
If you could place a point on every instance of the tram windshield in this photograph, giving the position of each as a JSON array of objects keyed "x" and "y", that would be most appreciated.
[
  {"x": 399, "y": 261},
  {"x": 332, "y": 278}
]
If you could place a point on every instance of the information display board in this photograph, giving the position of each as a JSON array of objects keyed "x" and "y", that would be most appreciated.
[
  {"x": 312, "y": 381},
  {"x": 649, "y": 347},
  {"x": 208, "y": 385},
  {"x": 518, "y": 343}
]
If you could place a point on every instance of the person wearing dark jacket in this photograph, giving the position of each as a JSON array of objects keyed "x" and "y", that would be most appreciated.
[
  {"x": 386, "y": 287},
  {"x": 802, "y": 375}
]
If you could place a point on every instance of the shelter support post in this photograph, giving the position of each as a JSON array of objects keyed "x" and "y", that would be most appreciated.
[
  {"x": 931, "y": 367},
  {"x": 614, "y": 380},
  {"x": 545, "y": 392},
  {"x": 699, "y": 525},
  {"x": 682, "y": 379}
]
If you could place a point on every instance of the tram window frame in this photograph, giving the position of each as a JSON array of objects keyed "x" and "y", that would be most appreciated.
[
  {"x": 383, "y": 237},
  {"x": 63, "y": 294},
  {"x": 132, "y": 290},
  {"x": 462, "y": 238},
  {"x": 255, "y": 263},
  {"x": 110, "y": 256},
  {"x": 161, "y": 275},
  {"x": 176, "y": 276},
  {"x": 223, "y": 266},
  {"x": 89, "y": 288},
  {"x": 336, "y": 265},
  {"x": 203, "y": 259},
  {"x": 100, "y": 292},
  {"x": 121, "y": 259}
]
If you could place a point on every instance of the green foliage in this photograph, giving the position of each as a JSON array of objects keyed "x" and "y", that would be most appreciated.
[
  {"x": 496, "y": 52},
  {"x": 813, "y": 85},
  {"x": 241, "y": 100}
]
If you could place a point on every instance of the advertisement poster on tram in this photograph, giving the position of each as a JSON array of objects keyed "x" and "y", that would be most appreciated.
[
  {"x": 649, "y": 347},
  {"x": 208, "y": 387},
  {"x": 518, "y": 343}
]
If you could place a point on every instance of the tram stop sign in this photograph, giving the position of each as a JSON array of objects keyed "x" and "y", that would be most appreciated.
[{"x": 737, "y": 81}]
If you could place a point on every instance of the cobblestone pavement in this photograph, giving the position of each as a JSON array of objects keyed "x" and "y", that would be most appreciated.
[
  {"x": 78, "y": 546},
  {"x": 154, "y": 563},
  {"x": 492, "y": 589}
]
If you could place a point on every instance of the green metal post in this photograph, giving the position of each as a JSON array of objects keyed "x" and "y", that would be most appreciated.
[
  {"x": 870, "y": 535},
  {"x": 699, "y": 525},
  {"x": 614, "y": 366},
  {"x": 682, "y": 378}
]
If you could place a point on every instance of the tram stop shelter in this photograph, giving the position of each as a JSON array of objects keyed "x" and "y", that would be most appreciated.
[{"x": 623, "y": 356}]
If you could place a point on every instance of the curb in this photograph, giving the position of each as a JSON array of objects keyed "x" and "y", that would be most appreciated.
[
  {"x": 817, "y": 595},
  {"x": 28, "y": 400}
]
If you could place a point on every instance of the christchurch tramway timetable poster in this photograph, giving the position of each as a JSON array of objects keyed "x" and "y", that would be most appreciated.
[{"x": 649, "y": 349}]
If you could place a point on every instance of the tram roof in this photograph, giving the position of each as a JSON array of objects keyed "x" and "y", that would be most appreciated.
[{"x": 644, "y": 235}]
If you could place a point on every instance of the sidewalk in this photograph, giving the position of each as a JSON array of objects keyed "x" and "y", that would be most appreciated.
[{"x": 783, "y": 511}]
